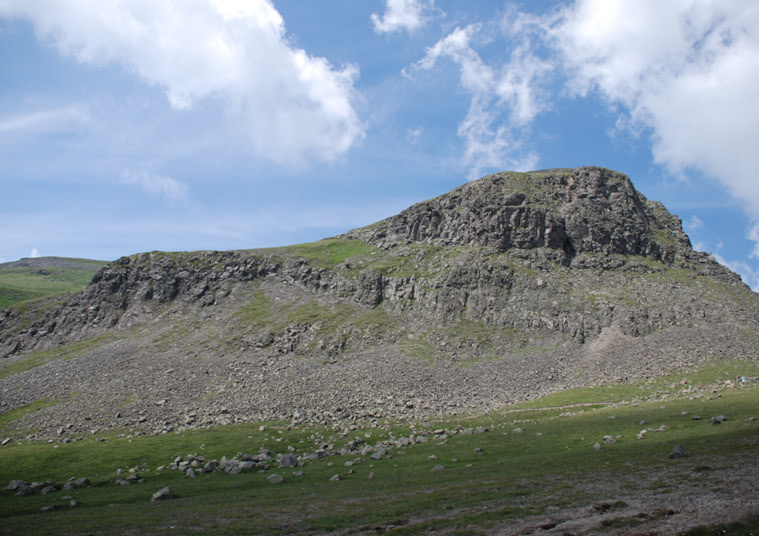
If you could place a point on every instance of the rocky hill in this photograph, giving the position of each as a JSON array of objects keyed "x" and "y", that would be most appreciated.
[{"x": 506, "y": 288}]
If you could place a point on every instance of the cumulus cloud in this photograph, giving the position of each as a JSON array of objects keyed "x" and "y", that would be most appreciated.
[
  {"x": 295, "y": 106},
  {"x": 401, "y": 15},
  {"x": 171, "y": 189},
  {"x": 34, "y": 253},
  {"x": 688, "y": 70},
  {"x": 503, "y": 99}
]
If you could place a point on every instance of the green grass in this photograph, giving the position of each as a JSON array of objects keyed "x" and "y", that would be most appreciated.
[
  {"x": 514, "y": 475},
  {"x": 329, "y": 252},
  {"x": 19, "y": 284}
]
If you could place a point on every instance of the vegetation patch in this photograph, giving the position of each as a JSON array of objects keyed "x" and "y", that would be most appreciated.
[
  {"x": 14, "y": 414},
  {"x": 44, "y": 277},
  {"x": 329, "y": 252}
]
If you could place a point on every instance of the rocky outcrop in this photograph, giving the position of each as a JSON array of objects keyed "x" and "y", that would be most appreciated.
[{"x": 587, "y": 210}]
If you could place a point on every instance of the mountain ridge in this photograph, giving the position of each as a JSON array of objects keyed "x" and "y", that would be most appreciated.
[{"x": 507, "y": 288}]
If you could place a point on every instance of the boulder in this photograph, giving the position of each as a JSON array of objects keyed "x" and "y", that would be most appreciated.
[
  {"x": 14, "y": 485},
  {"x": 163, "y": 494}
]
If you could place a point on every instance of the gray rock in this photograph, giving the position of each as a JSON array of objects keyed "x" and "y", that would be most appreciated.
[
  {"x": 210, "y": 467},
  {"x": 247, "y": 466},
  {"x": 275, "y": 479},
  {"x": 14, "y": 485},
  {"x": 163, "y": 494},
  {"x": 288, "y": 460},
  {"x": 678, "y": 452},
  {"x": 25, "y": 491},
  {"x": 437, "y": 467},
  {"x": 334, "y": 478},
  {"x": 122, "y": 482}
]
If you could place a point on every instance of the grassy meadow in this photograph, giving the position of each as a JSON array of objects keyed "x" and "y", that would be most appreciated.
[
  {"x": 45, "y": 276},
  {"x": 534, "y": 458}
]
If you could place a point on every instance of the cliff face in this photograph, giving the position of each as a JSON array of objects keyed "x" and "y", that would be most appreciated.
[
  {"x": 569, "y": 212},
  {"x": 512, "y": 285}
]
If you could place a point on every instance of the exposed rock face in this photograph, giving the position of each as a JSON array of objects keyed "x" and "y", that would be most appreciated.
[
  {"x": 506, "y": 288},
  {"x": 588, "y": 210}
]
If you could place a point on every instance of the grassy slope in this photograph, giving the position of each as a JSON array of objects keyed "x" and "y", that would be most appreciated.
[
  {"x": 47, "y": 276},
  {"x": 515, "y": 474}
]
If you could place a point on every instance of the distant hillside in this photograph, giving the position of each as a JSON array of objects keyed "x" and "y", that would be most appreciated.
[{"x": 43, "y": 276}]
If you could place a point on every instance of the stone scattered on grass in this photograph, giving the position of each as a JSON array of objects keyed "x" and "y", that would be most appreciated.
[
  {"x": 678, "y": 452},
  {"x": 437, "y": 467},
  {"x": 163, "y": 494},
  {"x": 15, "y": 485},
  {"x": 334, "y": 478},
  {"x": 275, "y": 479}
]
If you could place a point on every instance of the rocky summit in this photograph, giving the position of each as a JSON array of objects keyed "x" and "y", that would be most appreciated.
[{"x": 507, "y": 288}]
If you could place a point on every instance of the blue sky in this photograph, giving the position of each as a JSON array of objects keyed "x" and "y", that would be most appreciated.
[{"x": 134, "y": 125}]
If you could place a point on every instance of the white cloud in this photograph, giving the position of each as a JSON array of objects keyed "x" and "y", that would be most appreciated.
[
  {"x": 414, "y": 135},
  {"x": 172, "y": 189},
  {"x": 687, "y": 69},
  {"x": 504, "y": 99},
  {"x": 34, "y": 253},
  {"x": 400, "y": 15},
  {"x": 58, "y": 120},
  {"x": 694, "y": 223},
  {"x": 295, "y": 106}
]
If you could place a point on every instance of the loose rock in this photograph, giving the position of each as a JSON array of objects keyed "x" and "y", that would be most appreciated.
[{"x": 163, "y": 494}]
